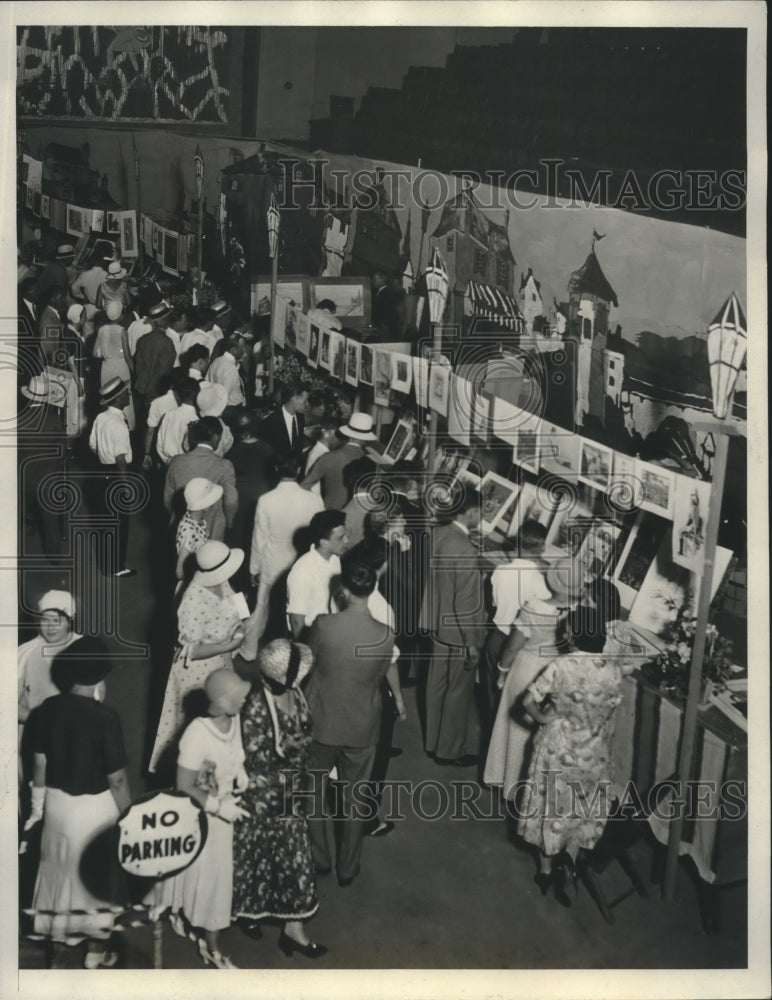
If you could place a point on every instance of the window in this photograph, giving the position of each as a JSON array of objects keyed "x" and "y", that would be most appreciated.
[
  {"x": 586, "y": 329},
  {"x": 533, "y": 296},
  {"x": 479, "y": 262},
  {"x": 451, "y": 242},
  {"x": 611, "y": 381},
  {"x": 611, "y": 365},
  {"x": 502, "y": 271}
]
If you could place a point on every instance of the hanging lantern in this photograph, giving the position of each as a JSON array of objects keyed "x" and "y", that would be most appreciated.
[
  {"x": 199, "y": 165},
  {"x": 273, "y": 219},
  {"x": 437, "y": 286},
  {"x": 727, "y": 344}
]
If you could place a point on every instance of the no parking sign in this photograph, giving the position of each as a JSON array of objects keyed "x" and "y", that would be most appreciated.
[{"x": 161, "y": 834}]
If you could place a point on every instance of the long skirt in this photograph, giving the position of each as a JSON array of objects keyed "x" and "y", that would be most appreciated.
[
  {"x": 78, "y": 870},
  {"x": 204, "y": 891}
]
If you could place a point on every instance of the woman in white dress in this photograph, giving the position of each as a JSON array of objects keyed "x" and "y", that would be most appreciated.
[{"x": 210, "y": 631}]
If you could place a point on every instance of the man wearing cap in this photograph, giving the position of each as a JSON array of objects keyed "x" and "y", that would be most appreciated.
[
  {"x": 110, "y": 442},
  {"x": 153, "y": 359},
  {"x": 211, "y": 402},
  {"x": 283, "y": 429},
  {"x": 87, "y": 284},
  {"x": 201, "y": 460},
  {"x": 173, "y": 427},
  {"x": 225, "y": 371},
  {"x": 328, "y": 470}
]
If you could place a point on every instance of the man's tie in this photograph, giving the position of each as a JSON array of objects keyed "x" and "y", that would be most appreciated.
[{"x": 294, "y": 442}]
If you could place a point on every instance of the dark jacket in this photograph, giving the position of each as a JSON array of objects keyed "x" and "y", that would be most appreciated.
[{"x": 273, "y": 430}]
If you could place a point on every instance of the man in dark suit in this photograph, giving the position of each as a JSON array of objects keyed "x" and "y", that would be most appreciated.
[
  {"x": 27, "y": 308},
  {"x": 352, "y": 653},
  {"x": 453, "y": 612},
  {"x": 283, "y": 429}
]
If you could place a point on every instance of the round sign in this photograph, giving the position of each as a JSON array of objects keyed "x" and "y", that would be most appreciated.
[{"x": 161, "y": 834}]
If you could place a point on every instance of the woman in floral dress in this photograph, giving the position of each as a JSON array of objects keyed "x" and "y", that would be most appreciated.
[
  {"x": 572, "y": 750},
  {"x": 273, "y": 873},
  {"x": 210, "y": 630},
  {"x": 193, "y": 531}
]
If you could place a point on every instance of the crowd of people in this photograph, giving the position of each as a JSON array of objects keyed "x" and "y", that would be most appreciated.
[{"x": 310, "y": 588}]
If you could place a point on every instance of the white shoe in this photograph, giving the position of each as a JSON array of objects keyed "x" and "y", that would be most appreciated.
[
  {"x": 100, "y": 960},
  {"x": 214, "y": 958},
  {"x": 177, "y": 924}
]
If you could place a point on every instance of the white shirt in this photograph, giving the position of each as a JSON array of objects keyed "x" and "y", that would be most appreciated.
[
  {"x": 206, "y": 337},
  {"x": 88, "y": 283},
  {"x": 172, "y": 431},
  {"x": 319, "y": 449},
  {"x": 136, "y": 331},
  {"x": 308, "y": 585},
  {"x": 225, "y": 371},
  {"x": 109, "y": 437},
  {"x": 514, "y": 586},
  {"x": 159, "y": 407},
  {"x": 194, "y": 373},
  {"x": 175, "y": 339},
  {"x": 279, "y": 514},
  {"x": 382, "y": 612}
]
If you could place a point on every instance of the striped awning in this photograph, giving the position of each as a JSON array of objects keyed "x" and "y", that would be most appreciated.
[{"x": 494, "y": 305}]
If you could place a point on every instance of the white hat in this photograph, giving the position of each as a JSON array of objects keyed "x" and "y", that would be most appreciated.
[
  {"x": 212, "y": 400},
  {"x": 216, "y": 563},
  {"x": 65, "y": 250},
  {"x": 113, "y": 309},
  {"x": 75, "y": 313},
  {"x": 112, "y": 389},
  {"x": 58, "y": 600},
  {"x": 37, "y": 390},
  {"x": 115, "y": 270},
  {"x": 200, "y": 493},
  {"x": 359, "y": 427}
]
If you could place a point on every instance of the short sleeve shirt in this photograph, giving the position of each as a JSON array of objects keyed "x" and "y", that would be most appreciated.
[
  {"x": 110, "y": 437},
  {"x": 216, "y": 756},
  {"x": 513, "y": 586},
  {"x": 308, "y": 585}
]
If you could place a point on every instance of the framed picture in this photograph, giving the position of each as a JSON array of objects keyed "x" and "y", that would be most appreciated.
[
  {"x": 29, "y": 198},
  {"x": 574, "y": 512},
  {"x": 450, "y": 463},
  {"x": 350, "y": 295},
  {"x": 558, "y": 450},
  {"x": 45, "y": 206},
  {"x": 366, "y": 364},
  {"x": 533, "y": 504},
  {"x": 156, "y": 236},
  {"x": 77, "y": 224},
  {"x": 338, "y": 355},
  {"x": 595, "y": 461},
  {"x": 625, "y": 489},
  {"x": 114, "y": 222},
  {"x": 303, "y": 332},
  {"x": 439, "y": 388},
  {"x": 526, "y": 449},
  {"x": 152, "y": 270},
  {"x": 421, "y": 381},
  {"x": 663, "y": 593},
  {"x": 497, "y": 495},
  {"x": 481, "y": 417},
  {"x": 324, "y": 350},
  {"x": 37, "y": 198},
  {"x": 58, "y": 212},
  {"x": 505, "y": 420},
  {"x": 313, "y": 345},
  {"x": 171, "y": 256},
  {"x": 657, "y": 489},
  {"x": 382, "y": 377},
  {"x": 97, "y": 220},
  {"x": 401, "y": 439},
  {"x": 129, "y": 248},
  {"x": 599, "y": 549},
  {"x": 353, "y": 351},
  {"x": 291, "y": 287},
  {"x": 290, "y": 326},
  {"x": 637, "y": 556},
  {"x": 460, "y": 403},
  {"x": 691, "y": 499},
  {"x": 401, "y": 372}
]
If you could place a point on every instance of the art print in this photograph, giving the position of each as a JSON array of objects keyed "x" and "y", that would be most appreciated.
[
  {"x": 129, "y": 240},
  {"x": 439, "y": 388},
  {"x": 324, "y": 351},
  {"x": 691, "y": 500},
  {"x": 382, "y": 377},
  {"x": 657, "y": 489},
  {"x": 401, "y": 372},
  {"x": 353, "y": 350},
  {"x": 558, "y": 450},
  {"x": 595, "y": 464},
  {"x": 313, "y": 345},
  {"x": 303, "y": 332},
  {"x": 497, "y": 495},
  {"x": 366, "y": 364}
]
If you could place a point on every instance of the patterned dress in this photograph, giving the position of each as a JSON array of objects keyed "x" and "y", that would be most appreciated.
[
  {"x": 572, "y": 751},
  {"x": 273, "y": 874},
  {"x": 191, "y": 535},
  {"x": 202, "y": 617}
]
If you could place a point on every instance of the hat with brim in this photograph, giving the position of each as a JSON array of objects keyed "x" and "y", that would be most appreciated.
[
  {"x": 200, "y": 493},
  {"x": 220, "y": 308},
  {"x": 85, "y": 661},
  {"x": 216, "y": 563},
  {"x": 64, "y": 251},
  {"x": 115, "y": 270},
  {"x": 359, "y": 428},
  {"x": 212, "y": 400},
  {"x": 565, "y": 580},
  {"x": 278, "y": 656},
  {"x": 37, "y": 390},
  {"x": 57, "y": 600},
  {"x": 111, "y": 390},
  {"x": 159, "y": 311}
]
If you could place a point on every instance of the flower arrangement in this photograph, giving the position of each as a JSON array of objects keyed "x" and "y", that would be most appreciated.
[{"x": 672, "y": 667}]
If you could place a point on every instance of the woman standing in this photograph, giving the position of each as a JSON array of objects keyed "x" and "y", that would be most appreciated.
[
  {"x": 192, "y": 531},
  {"x": 572, "y": 750},
  {"x": 273, "y": 870},
  {"x": 79, "y": 789},
  {"x": 111, "y": 347},
  {"x": 210, "y": 630}
]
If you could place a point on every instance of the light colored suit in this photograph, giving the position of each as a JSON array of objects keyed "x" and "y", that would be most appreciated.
[{"x": 202, "y": 461}]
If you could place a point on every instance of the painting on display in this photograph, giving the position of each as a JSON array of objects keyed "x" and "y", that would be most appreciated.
[
  {"x": 558, "y": 450},
  {"x": 505, "y": 420},
  {"x": 290, "y": 287},
  {"x": 637, "y": 556},
  {"x": 575, "y": 510},
  {"x": 439, "y": 388},
  {"x": 599, "y": 549},
  {"x": 526, "y": 448},
  {"x": 497, "y": 495},
  {"x": 337, "y": 355},
  {"x": 595, "y": 461},
  {"x": 382, "y": 377},
  {"x": 625, "y": 488},
  {"x": 114, "y": 222},
  {"x": 481, "y": 417},
  {"x": 350, "y": 295},
  {"x": 401, "y": 372},
  {"x": 401, "y": 440},
  {"x": 664, "y": 591},
  {"x": 128, "y": 235},
  {"x": 290, "y": 326},
  {"x": 353, "y": 351},
  {"x": 421, "y": 381},
  {"x": 313, "y": 345},
  {"x": 657, "y": 489},
  {"x": 460, "y": 410},
  {"x": 45, "y": 206},
  {"x": 77, "y": 223},
  {"x": 97, "y": 220},
  {"x": 533, "y": 504},
  {"x": 691, "y": 498},
  {"x": 170, "y": 259},
  {"x": 324, "y": 350},
  {"x": 366, "y": 364},
  {"x": 303, "y": 331}
]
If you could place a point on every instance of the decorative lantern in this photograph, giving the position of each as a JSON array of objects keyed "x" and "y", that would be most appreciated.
[
  {"x": 199, "y": 165},
  {"x": 273, "y": 219},
  {"x": 437, "y": 286},
  {"x": 727, "y": 344}
]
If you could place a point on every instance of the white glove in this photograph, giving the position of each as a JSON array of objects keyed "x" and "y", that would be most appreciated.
[
  {"x": 230, "y": 810},
  {"x": 242, "y": 780},
  {"x": 36, "y": 809}
]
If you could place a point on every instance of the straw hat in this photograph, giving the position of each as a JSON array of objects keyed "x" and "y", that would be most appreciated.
[
  {"x": 220, "y": 307},
  {"x": 58, "y": 600},
  {"x": 159, "y": 311},
  {"x": 115, "y": 270},
  {"x": 566, "y": 580},
  {"x": 64, "y": 251},
  {"x": 285, "y": 663},
  {"x": 212, "y": 400},
  {"x": 112, "y": 389},
  {"x": 37, "y": 390},
  {"x": 359, "y": 427},
  {"x": 200, "y": 493},
  {"x": 216, "y": 563}
]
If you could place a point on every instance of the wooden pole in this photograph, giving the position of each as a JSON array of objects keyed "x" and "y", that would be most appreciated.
[
  {"x": 200, "y": 259},
  {"x": 158, "y": 944},
  {"x": 271, "y": 354},
  {"x": 435, "y": 357},
  {"x": 698, "y": 655}
]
